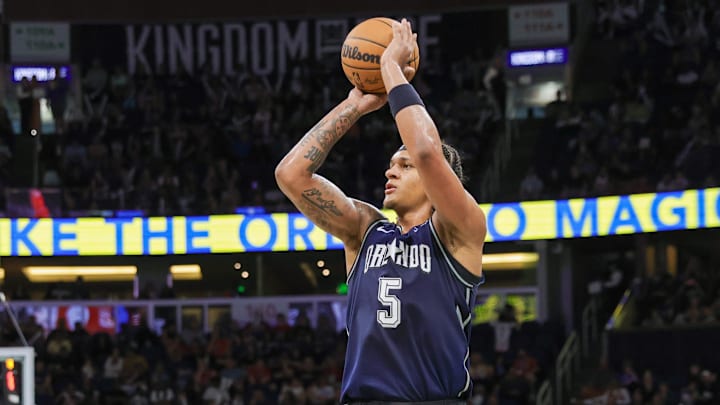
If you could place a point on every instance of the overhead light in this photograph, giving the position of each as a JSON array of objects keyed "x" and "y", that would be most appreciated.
[
  {"x": 186, "y": 272},
  {"x": 47, "y": 274},
  {"x": 510, "y": 261}
]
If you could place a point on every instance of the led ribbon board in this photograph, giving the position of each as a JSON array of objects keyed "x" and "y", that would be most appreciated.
[{"x": 528, "y": 220}]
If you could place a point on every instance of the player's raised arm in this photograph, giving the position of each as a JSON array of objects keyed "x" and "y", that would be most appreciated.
[
  {"x": 315, "y": 196},
  {"x": 456, "y": 212}
]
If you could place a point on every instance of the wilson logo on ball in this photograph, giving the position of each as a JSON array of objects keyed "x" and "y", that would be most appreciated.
[{"x": 352, "y": 52}]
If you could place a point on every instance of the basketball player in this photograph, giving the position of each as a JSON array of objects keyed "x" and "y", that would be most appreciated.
[{"x": 411, "y": 283}]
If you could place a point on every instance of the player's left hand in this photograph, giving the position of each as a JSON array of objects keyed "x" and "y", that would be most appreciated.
[
  {"x": 400, "y": 49},
  {"x": 366, "y": 102}
]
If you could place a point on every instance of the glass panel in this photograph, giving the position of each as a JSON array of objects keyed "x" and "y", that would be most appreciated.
[
  {"x": 164, "y": 315},
  {"x": 489, "y": 307},
  {"x": 131, "y": 316},
  {"x": 332, "y": 314},
  {"x": 302, "y": 311},
  {"x": 219, "y": 313},
  {"x": 192, "y": 315}
]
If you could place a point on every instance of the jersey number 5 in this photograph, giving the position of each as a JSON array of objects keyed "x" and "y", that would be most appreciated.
[{"x": 389, "y": 318}]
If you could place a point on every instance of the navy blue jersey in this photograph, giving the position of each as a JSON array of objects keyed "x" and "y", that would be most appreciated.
[{"x": 408, "y": 318}]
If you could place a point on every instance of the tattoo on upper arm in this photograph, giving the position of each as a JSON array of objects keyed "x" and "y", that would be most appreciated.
[
  {"x": 315, "y": 197},
  {"x": 325, "y": 134}
]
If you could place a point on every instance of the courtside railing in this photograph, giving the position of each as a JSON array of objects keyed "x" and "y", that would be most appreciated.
[
  {"x": 567, "y": 367},
  {"x": 544, "y": 394}
]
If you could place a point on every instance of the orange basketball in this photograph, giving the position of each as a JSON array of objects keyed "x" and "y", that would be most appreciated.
[{"x": 361, "y": 52}]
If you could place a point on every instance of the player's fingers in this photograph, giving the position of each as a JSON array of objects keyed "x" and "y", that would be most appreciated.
[
  {"x": 397, "y": 29},
  {"x": 408, "y": 72},
  {"x": 406, "y": 28}
]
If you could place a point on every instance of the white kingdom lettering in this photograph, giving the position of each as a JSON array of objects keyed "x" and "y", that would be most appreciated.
[
  {"x": 262, "y": 47},
  {"x": 135, "y": 48},
  {"x": 293, "y": 47},
  {"x": 180, "y": 47},
  {"x": 159, "y": 49},
  {"x": 234, "y": 33},
  {"x": 261, "y": 37},
  {"x": 425, "y": 39},
  {"x": 208, "y": 33}
]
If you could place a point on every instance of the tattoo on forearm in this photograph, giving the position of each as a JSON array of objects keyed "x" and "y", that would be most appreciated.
[
  {"x": 325, "y": 134},
  {"x": 315, "y": 197},
  {"x": 326, "y": 138},
  {"x": 309, "y": 136},
  {"x": 316, "y": 156}
]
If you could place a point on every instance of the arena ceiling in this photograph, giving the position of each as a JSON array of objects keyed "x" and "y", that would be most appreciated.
[{"x": 188, "y": 10}]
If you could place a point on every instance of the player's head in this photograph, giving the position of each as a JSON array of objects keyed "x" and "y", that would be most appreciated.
[
  {"x": 403, "y": 189},
  {"x": 453, "y": 158}
]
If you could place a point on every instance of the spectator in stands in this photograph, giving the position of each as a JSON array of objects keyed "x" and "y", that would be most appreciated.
[
  {"x": 162, "y": 393},
  {"x": 24, "y": 97},
  {"x": 59, "y": 344},
  {"x": 617, "y": 15},
  {"x": 95, "y": 88},
  {"x": 214, "y": 395},
  {"x": 648, "y": 387},
  {"x": 556, "y": 107},
  {"x": 482, "y": 373},
  {"x": 113, "y": 365},
  {"x": 70, "y": 396},
  {"x": 628, "y": 377},
  {"x": 57, "y": 100},
  {"x": 134, "y": 368},
  {"x": 531, "y": 186},
  {"x": 292, "y": 392},
  {"x": 525, "y": 365},
  {"x": 79, "y": 289},
  {"x": 514, "y": 387},
  {"x": 504, "y": 326}
]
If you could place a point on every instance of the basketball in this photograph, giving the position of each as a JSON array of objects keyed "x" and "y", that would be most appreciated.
[{"x": 361, "y": 52}]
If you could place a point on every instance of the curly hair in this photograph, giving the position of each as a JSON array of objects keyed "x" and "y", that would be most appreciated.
[{"x": 452, "y": 156}]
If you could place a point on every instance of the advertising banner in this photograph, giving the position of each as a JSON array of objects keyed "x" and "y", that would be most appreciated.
[
  {"x": 539, "y": 24},
  {"x": 43, "y": 42},
  {"x": 281, "y": 232}
]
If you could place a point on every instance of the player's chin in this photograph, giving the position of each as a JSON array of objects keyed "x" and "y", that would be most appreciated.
[{"x": 388, "y": 203}]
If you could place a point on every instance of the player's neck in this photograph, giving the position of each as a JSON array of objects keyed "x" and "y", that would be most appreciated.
[{"x": 408, "y": 220}]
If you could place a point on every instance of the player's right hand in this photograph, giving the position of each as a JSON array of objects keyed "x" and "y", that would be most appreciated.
[
  {"x": 366, "y": 102},
  {"x": 400, "y": 49}
]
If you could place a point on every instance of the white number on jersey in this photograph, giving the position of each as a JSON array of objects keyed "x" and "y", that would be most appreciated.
[{"x": 389, "y": 318}]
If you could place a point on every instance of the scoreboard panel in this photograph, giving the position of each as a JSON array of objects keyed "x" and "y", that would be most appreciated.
[{"x": 17, "y": 376}]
